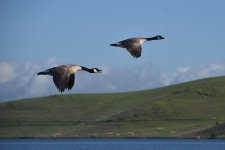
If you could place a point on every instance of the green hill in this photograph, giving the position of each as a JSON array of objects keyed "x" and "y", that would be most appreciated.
[{"x": 188, "y": 110}]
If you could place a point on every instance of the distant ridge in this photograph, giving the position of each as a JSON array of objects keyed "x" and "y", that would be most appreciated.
[{"x": 193, "y": 109}]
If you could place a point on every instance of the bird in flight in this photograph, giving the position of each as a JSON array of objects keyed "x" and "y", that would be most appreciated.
[
  {"x": 64, "y": 75},
  {"x": 133, "y": 45}
]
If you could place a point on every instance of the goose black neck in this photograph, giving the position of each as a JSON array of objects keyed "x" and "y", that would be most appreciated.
[
  {"x": 87, "y": 69},
  {"x": 152, "y": 38}
]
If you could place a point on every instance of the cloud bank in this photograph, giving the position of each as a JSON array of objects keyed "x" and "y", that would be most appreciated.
[
  {"x": 6, "y": 72},
  {"x": 17, "y": 82}
]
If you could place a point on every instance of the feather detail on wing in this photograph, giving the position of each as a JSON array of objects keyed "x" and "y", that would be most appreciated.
[
  {"x": 71, "y": 81},
  {"x": 61, "y": 82},
  {"x": 62, "y": 78},
  {"x": 135, "y": 51}
]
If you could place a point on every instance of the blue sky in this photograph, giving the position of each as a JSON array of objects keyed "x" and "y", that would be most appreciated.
[{"x": 37, "y": 34}]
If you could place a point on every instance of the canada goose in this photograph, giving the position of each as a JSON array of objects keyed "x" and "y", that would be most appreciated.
[
  {"x": 64, "y": 75},
  {"x": 133, "y": 45}
]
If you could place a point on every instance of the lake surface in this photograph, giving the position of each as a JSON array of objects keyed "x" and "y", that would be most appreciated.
[{"x": 111, "y": 144}]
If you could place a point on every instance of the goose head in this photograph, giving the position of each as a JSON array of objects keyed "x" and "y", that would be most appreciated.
[
  {"x": 159, "y": 37},
  {"x": 96, "y": 70}
]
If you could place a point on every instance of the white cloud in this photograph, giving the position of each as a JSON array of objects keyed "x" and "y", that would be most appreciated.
[
  {"x": 211, "y": 70},
  {"x": 25, "y": 83},
  {"x": 183, "y": 69},
  {"x": 217, "y": 67},
  {"x": 192, "y": 73},
  {"x": 39, "y": 86},
  {"x": 164, "y": 79},
  {"x": 7, "y": 72}
]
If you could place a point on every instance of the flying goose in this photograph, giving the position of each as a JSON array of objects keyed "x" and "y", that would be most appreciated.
[
  {"x": 64, "y": 75},
  {"x": 133, "y": 45}
]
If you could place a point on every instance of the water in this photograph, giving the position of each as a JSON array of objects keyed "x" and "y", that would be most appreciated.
[{"x": 111, "y": 144}]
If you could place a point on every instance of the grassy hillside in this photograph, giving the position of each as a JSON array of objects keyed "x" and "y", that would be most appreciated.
[{"x": 188, "y": 110}]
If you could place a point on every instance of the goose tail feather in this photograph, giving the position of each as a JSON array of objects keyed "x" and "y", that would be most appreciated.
[
  {"x": 114, "y": 44},
  {"x": 46, "y": 72}
]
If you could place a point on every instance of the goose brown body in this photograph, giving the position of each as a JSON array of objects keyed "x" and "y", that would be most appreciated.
[
  {"x": 64, "y": 75},
  {"x": 133, "y": 45}
]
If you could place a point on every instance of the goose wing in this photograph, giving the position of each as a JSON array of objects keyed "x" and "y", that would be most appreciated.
[
  {"x": 128, "y": 43},
  {"x": 61, "y": 81},
  {"x": 135, "y": 51},
  {"x": 133, "y": 46},
  {"x": 61, "y": 78},
  {"x": 71, "y": 81}
]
